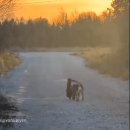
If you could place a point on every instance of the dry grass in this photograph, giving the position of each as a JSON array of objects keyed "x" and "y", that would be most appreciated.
[
  {"x": 8, "y": 61},
  {"x": 106, "y": 61}
]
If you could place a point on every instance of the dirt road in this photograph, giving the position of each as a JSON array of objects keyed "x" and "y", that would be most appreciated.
[{"x": 39, "y": 85}]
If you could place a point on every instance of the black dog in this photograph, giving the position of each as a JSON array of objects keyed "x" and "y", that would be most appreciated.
[{"x": 74, "y": 90}]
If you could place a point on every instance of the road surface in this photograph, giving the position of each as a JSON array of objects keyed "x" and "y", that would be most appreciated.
[{"x": 39, "y": 85}]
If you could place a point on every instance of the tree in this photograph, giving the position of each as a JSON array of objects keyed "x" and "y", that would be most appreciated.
[
  {"x": 6, "y": 8},
  {"x": 61, "y": 19},
  {"x": 119, "y": 6}
]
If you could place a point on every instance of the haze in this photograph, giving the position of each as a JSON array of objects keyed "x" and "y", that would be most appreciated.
[{"x": 50, "y": 8}]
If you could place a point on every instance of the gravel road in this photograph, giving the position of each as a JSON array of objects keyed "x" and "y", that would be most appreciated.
[{"x": 39, "y": 85}]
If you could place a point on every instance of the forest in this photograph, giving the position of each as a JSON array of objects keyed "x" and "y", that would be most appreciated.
[{"x": 86, "y": 30}]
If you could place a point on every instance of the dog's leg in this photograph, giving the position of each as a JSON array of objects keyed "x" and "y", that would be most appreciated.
[{"x": 82, "y": 95}]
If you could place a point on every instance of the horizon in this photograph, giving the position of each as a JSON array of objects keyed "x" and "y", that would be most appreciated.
[{"x": 32, "y": 9}]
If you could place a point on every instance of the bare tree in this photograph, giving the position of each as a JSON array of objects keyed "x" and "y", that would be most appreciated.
[
  {"x": 62, "y": 18},
  {"x": 6, "y": 8}
]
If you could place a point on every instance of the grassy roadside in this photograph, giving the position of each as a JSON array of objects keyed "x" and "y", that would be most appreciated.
[
  {"x": 8, "y": 61},
  {"x": 7, "y": 110},
  {"x": 106, "y": 61}
]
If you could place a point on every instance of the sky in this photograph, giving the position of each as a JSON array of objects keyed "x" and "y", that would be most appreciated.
[{"x": 50, "y": 8}]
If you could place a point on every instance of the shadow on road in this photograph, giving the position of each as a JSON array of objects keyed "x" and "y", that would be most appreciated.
[{"x": 8, "y": 109}]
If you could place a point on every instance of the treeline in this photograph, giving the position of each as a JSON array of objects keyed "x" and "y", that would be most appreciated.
[
  {"x": 86, "y": 30},
  {"x": 39, "y": 33}
]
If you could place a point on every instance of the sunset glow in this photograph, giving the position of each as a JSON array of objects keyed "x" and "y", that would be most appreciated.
[{"x": 50, "y": 8}]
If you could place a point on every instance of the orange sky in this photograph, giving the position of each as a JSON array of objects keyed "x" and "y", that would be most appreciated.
[{"x": 50, "y": 8}]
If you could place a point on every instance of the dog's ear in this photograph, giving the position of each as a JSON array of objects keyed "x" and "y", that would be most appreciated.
[{"x": 69, "y": 79}]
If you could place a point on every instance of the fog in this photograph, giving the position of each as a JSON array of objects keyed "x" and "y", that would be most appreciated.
[{"x": 110, "y": 30}]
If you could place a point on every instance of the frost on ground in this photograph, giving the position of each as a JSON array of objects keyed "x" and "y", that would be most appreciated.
[{"x": 39, "y": 85}]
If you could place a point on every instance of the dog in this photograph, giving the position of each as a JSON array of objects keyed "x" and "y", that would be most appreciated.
[{"x": 74, "y": 90}]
